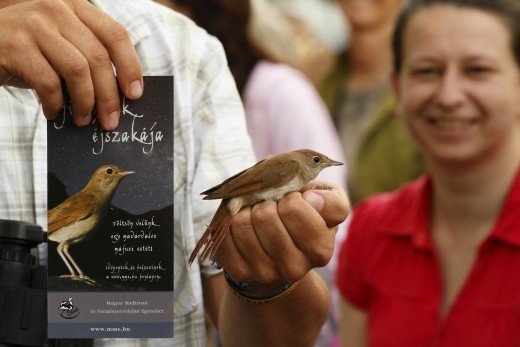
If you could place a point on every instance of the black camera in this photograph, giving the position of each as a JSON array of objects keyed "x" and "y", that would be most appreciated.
[{"x": 23, "y": 286}]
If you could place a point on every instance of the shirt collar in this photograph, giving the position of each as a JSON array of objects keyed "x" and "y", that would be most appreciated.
[
  {"x": 507, "y": 228},
  {"x": 412, "y": 218}
]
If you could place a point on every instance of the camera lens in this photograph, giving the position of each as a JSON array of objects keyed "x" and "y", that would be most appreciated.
[
  {"x": 23, "y": 297},
  {"x": 16, "y": 260}
]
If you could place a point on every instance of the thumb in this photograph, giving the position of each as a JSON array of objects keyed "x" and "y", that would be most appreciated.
[
  {"x": 331, "y": 205},
  {"x": 315, "y": 200}
]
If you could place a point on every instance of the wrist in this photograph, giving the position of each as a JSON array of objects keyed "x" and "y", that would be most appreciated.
[{"x": 256, "y": 292}]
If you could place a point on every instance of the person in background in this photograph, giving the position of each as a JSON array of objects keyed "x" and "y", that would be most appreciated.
[
  {"x": 377, "y": 145},
  {"x": 82, "y": 42},
  {"x": 326, "y": 25},
  {"x": 284, "y": 111},
  {"x": 288, "y": 39},
  {"x": 437, "y": 262}
]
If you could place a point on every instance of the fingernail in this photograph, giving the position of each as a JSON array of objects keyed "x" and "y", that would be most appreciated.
[
  {"x": 113, "y": 120},
  {"x": 315, "y": 200},
  {"x": 85, "y": 120},
  {"x": 136, "y": 89}
]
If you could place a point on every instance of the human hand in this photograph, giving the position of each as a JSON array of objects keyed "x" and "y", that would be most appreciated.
[
  {"x": 272, "y": 243},
  {"x": 43, "y": 40}
]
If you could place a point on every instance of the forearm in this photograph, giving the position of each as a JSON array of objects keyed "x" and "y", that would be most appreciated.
[{"x": 294, "y": 320}]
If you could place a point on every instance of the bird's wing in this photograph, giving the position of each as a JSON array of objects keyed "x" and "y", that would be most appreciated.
[
  {"x": 75, "y": 208},
  {"x": 219, "y": 186},
  {"x": 265, "y": 174}
]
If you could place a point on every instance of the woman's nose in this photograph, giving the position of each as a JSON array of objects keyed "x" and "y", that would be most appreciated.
[{"x": 450, "y": 93}]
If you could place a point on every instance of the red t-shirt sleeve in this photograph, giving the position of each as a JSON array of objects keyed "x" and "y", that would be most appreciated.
[{"x": 350, "y": 273}]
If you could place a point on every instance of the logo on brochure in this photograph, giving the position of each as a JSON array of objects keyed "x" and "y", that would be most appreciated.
[{"x": 67, "y": 309}]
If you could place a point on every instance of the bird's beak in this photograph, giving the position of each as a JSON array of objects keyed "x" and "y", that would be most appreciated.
[
  {"x": 334, "y": 163},
  {"x": 126, "y": 173}
]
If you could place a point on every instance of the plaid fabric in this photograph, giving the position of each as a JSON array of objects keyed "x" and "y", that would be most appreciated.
[
  {"x": 23, "y": 157},
  {"x": 210, "y": 144}
]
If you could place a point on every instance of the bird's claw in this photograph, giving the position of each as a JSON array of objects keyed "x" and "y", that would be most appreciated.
[
  {"x": 87, "y": 280},
  {"x": 71, "y": 277},
  {"x": 81, "y": 278}
]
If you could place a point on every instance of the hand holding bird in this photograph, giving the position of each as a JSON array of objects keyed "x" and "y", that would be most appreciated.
[
  {"x": 270, "y": 243},
  {"x": 288, "y": 238}
]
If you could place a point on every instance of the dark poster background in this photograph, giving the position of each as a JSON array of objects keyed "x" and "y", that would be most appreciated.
[{"x": 120, "y": 254}]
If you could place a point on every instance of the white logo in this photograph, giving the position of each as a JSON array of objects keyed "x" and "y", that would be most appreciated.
[{"x": 67, "y": 309}]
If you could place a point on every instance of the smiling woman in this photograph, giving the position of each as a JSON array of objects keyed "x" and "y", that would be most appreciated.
[
  {"x": 440, "y": 258},
  {"x": 459, "y": 84}
]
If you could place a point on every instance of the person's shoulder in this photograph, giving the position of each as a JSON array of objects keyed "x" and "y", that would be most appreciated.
[
  {"x": 277, "y": 73},
  {"x": 167, "y": 42},
  {"x": 272, "y": 81},
  {"x": 142, "y": 17}
]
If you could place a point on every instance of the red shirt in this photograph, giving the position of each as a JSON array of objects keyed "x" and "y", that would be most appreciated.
[{"x": 388, "y": 268}]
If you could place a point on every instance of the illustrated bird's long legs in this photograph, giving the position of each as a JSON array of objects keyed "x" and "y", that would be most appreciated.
[
  {"x": 88, "y": 280},
  {"x": 66, "y": 251},
  {"x": 61, "y": 246},
  {"x": 81, "y": 276}
]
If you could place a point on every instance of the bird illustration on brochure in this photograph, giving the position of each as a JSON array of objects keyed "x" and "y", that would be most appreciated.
[{"x": 110, "y": 220}]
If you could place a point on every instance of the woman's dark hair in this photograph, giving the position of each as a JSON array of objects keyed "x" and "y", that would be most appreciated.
[
  {"x": 228, "y": 21},
  {"x": 507, "y": 10}
]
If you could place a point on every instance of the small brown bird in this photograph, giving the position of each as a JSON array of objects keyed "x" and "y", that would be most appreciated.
[
  {"x": 269, "y": 179},
  {"x": 71, "y": 221}
]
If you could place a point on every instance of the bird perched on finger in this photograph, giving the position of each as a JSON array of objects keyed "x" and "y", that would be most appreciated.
[
  {"x": 269, "y": 179},
  {"x": 74, "y": 219}
]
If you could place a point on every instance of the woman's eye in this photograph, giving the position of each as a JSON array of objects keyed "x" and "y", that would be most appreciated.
[
  {"x": 478, "y": 70},
  {"x": 425, "y": 71}
]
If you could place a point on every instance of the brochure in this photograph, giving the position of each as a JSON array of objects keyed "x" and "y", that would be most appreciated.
[{"x": 110, "y": 228}]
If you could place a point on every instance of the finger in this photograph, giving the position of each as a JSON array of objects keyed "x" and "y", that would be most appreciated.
[
  {"x": 74, "y": 68},
  {"x": 291, "y": 263},
  {"x": 332, "y": 204},
  {"x": 229, "y": 257},
  {"x": 307, "y": 229},
  {"x": 250, "y": 248},
  {"x": 39, "y": 75},
  {"x": 100, "y": 65},
  {"x": 119, "y": 46}
]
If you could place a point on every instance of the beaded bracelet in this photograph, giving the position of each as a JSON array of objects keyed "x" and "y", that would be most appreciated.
[{"x": 238, "y": 289}]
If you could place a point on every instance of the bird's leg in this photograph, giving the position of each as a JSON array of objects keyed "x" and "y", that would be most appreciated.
[
  {"x": 61, "y": 246},
  {"x": 81, "y": 274},
  {"x": 322, "y": 188}
]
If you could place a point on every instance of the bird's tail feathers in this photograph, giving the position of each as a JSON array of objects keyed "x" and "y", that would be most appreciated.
[{"x": 214, "y": 234}]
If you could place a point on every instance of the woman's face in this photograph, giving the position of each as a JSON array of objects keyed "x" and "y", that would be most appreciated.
[
  {"x": 365, "y": 14},
  {"x": 459, "y": 86}
]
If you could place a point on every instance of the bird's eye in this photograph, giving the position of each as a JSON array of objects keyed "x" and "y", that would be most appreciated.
[
  {"x": 109, "y": 171},
  {"x": 316, "y": 159}
]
